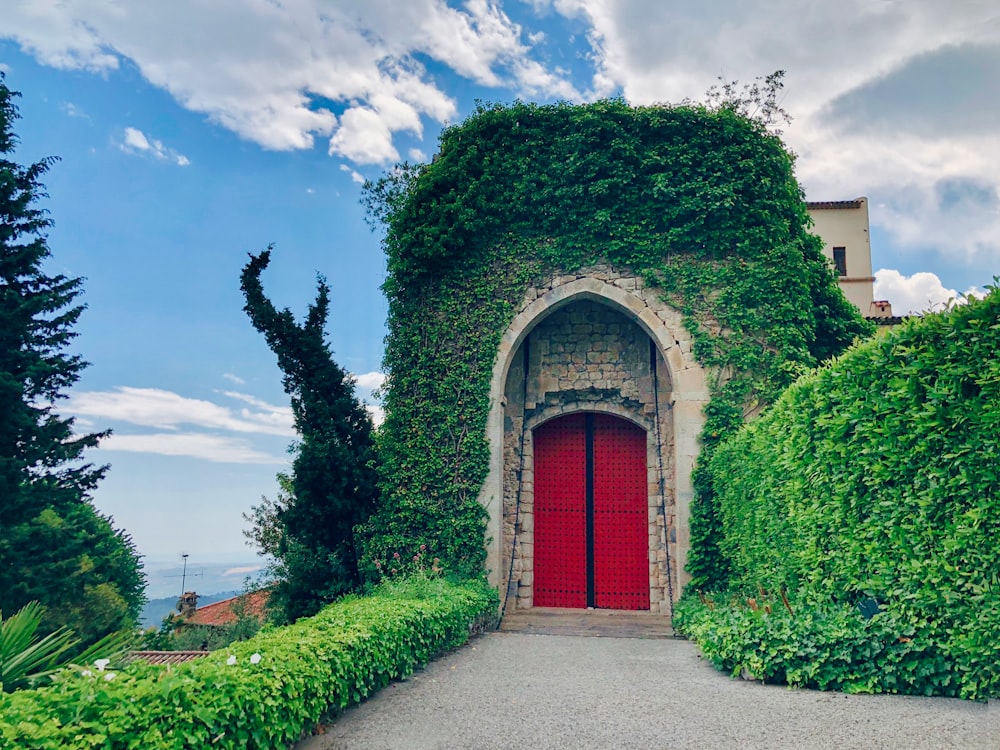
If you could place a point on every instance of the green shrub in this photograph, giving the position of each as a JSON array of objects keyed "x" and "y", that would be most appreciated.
[
  {"x": 820, "y": 646},
  {"x": 878, "y": 476},
  {"x": 261, "y": 693}
]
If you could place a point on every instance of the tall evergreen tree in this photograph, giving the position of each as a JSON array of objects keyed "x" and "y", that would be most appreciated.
[
  {"x": 309, "y": 528},
  {"x": 54, "y": 545}
]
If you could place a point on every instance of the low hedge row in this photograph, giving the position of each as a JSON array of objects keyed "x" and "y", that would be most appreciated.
[
  {"x": 835, "y": 647},
  {"x": 261, "y": 693}
]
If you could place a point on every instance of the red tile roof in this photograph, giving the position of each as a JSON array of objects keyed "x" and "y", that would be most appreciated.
[
  {"x": 165, "y": 657},
  {"x": 222, "y": 613},
  {"x": 814, "y": 205}
]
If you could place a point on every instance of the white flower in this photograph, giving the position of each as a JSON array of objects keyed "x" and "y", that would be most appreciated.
[
  {"x": 109, "y": 676},
  {"x": 255, "y": 659},
  {"x": 231, "y": 660},
  {"x": 101, "y": 664},
  {"x": 87, "y": 673}
]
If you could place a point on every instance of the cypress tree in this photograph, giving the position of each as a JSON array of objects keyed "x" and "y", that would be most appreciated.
[
  {"x": 54, "y": 545},
  {"x": 309, "y": 528}
]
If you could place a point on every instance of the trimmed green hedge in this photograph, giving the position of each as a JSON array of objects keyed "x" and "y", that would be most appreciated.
[
  {"x": 340, "y": 656},
  {"x": 820, "y": 646},
  {"x": 878, "y": 476}
]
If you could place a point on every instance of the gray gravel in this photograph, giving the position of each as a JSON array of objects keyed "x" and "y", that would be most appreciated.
[{"x": 510, "y": 690}]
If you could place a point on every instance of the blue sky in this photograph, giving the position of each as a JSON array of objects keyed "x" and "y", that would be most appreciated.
[{"x": 193, "y": 132}]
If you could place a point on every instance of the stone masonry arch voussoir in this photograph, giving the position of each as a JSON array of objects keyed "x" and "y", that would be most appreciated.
[{"x": 621, "y": 290}]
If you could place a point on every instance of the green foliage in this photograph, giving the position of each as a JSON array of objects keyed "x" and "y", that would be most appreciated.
[
  {"x": 23, "y": 655},
  {"x": 300, "y": 674},
  {"x": 309, "y": 529},
  {"x": 174, "y": 635},
  {"x": 820, "y": 646},
  {"x": 54, "y": 546},
  {"x": 27, "y": 659},
  {"x": 700, "y": 201},
  {"x": 878, "y": 476}
]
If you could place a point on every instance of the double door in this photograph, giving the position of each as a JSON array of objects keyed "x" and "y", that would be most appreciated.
[{"x": 591, "y": 528}]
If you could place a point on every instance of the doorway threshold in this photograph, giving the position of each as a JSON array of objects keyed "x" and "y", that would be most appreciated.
[{"x": 596, "y": 623}]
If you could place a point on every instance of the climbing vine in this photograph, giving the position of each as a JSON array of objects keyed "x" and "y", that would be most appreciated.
[{"x": 700, "y": 201}]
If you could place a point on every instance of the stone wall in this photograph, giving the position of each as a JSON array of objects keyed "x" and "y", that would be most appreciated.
[
  {"x": 587, "y": 337},
  {"x": 586, "y": 355}
]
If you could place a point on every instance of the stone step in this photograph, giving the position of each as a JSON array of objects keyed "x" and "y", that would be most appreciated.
[{"x": 608, "y": 623}]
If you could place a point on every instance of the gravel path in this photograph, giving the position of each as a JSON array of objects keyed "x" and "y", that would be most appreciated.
[{"x": 510, "y": 690}]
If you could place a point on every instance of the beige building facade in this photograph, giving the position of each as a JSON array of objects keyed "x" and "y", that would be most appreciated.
[{"x": 843, "y": 227}]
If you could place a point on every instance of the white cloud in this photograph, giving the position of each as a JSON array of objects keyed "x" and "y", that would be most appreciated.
[
  {"x": 215, "y": 448},
  {"x": 153, "y": 407},
  {"x": 74, "y": 111},
  {"x": 369, "y": 381},
  {"x": 377, "y": 414},
  {"x": 355, "y": 176},
  {"x": 416, "y": 155},
  {"x": 234, "y": 378},
  {"x": 135, "y": 141},
  {"x": 919, "y": 293},
  {"x": 366, "y": 387},
  {"x": 363, "y": 137},
  {"x": 280, "y": 418},
  {"x": 265, "y": 69}
]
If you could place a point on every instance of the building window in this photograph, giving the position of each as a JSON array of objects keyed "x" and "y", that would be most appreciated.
[{"x": 840, "y": 260}]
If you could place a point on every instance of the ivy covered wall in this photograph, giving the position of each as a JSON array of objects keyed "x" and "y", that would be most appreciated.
[{"x": 700, "y": 202}]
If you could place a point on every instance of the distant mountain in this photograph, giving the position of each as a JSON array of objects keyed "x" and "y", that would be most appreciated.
[
  {"x": 156, "y": 609},
  {"x": 164, "y": 579}
]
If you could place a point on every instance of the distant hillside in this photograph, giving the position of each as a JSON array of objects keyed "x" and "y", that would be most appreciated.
[
  {"x": 163, "y": 578},
  {"x": 212, "y": 581}
]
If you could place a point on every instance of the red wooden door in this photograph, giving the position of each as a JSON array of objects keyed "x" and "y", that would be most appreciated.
[
  {"x": 591, "y": 526},
  {"x": 621, "y": 510},
  {"x": 561, "y": 513}
]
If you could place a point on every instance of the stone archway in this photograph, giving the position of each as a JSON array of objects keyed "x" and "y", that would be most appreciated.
[{"x": 619, "y": 308}]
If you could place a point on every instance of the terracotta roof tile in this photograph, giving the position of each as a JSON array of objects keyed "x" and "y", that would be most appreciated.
[
  {"x": 165, "y": 657},
  {"x": 819, "y": 205},
  {"x": 222, "y": 613}
]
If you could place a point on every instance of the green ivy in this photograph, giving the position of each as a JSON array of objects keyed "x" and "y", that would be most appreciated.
[
  {"x": 261, "y": 693},
  {"x": 878, "y": 477},
  {"x": 820, "y": 646},
  {"x": 702, "y": 203}
]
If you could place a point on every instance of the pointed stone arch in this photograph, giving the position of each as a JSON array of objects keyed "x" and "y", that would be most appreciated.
[{"x": 681, "y": 407}]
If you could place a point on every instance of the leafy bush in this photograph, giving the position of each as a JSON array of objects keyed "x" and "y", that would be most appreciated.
[
  {"x": 820, "y": 646},
  {"x": 878, "y": 476},
  {"x": 261, "y": 693},
  {"x": 27, "y": 658}
]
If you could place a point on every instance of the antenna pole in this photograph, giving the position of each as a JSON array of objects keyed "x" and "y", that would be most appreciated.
[{"x": 184, "y": 574}]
